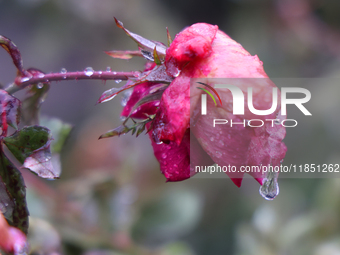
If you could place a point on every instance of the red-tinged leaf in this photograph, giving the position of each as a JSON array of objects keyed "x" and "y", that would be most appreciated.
[
  {"x": 14, "y": 52},
  {"x": 124, "y": 54},
  {"x": 11, "y": 177},
  {"x": 144, "y": 43},
  {"x": 40, "y": 162},
  {"x": 157, "y": 74},
  {"x": 155, "y": 95},
  {"x": 12, "y": 240},
  {"x": 10, "y": 111}
]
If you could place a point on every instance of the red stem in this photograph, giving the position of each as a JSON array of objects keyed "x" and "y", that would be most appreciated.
[{"x": 83, "y": 75}]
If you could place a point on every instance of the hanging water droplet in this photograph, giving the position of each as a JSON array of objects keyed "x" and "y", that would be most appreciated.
[
  {"x": 118, "y": 81},
  {"x": 148, "y": 55},
  {"x": 89, "y": 71},
  {"x": 122, "y": 118},
  {"x": 164, "y": 156},
  {"x": 108, "y": 69},
  {"x": 24, "y": 79},
  {"x": 40, "y": 85},
  {"x": 110, "y": 94},
  {"x": 63, "y": 70},
  {"x": 126, "y": 96},
  {"x": 270, "y": 188},
  {"x": 41, "y": 75}
]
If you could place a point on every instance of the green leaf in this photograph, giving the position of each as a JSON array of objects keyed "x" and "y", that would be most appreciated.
[
  {"x": 23, "y": 143},
  {"x": 31, "y": 147},
  {"x": 16, "y": 190},
  {"x": 169, "y": 37},
  {"x": 60, "y": 131},
  {"x": 122, "y": 129}
]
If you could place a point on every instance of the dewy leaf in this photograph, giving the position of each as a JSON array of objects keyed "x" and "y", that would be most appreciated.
[
  {"x": 40, "y": 162},
  {"x": 13, "y": 51},
  {"x": 10, "y": 111},
  {"x": 144, "y": 43},
  {"x": 16, "y": 190},
  {"x": 158, "y": 74},
  {"x": 31, "y": 105},
  {"x": 124, "y": 54},
  {"x": 31, "y": 147},
  {"x": 23, "y": 143}
]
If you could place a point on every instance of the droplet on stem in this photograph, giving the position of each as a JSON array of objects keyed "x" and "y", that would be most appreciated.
[{"x": 89, "y": 71}]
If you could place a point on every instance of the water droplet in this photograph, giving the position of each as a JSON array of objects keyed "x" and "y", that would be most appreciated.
[
  {"x": 118, "y": 81},
  {"x": 24, "y": 79},
  {"x": 218, "y": 154},
  {"x": 164, "y": 156},
  {"x": 108, "y": 69},
  {"x": 40, "y": 85},
  {"x": 100, "y": 72},
  {"x": 176, "y": 73},
  {"x": 89, "y": 71},
  {"x": 126, "y": 96},
  {"x": 148, "y": 55},
  {"x": 114, "y": 72},
  {"x": 41, "y": 75},
  {"x": 122, "y": 118},
  {"x": 212, "y": 139},
  {"x": 270, "y": 188},
  {"x": 63, "y": 70},
  {"x": 221, "y": 143}
]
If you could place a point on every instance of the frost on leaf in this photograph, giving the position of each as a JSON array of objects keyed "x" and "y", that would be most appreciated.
[
  {"x": 31, "y": 147},
  {"x": 10, "y": 111}
]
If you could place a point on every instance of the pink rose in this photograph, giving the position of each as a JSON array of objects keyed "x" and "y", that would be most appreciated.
[{"x": 181, "y": 137}]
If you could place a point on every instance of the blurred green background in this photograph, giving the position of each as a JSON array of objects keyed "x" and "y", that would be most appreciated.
[{"x": 111, "y": 198}]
